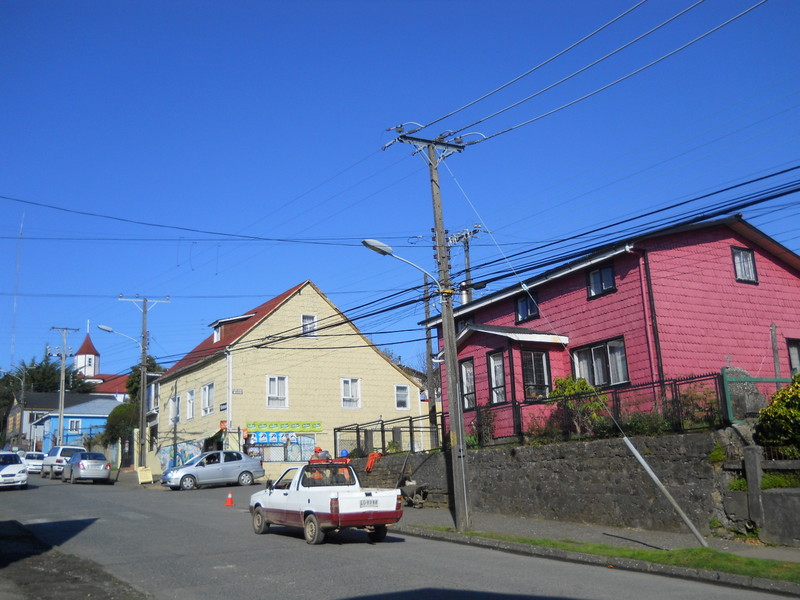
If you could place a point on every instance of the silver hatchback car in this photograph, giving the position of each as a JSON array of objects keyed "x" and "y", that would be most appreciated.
[{"x": 213, "y": 468}]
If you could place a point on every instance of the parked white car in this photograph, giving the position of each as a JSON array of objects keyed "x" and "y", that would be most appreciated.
[
  {"x": 13, "y": 472},
  {"x": 54, "y": 462},
  {"x": 34, "y": 461}
]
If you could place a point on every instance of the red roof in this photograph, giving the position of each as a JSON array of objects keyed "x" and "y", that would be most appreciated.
[
  {"x": 231, "y": 329},
  {"x": 87, "y": 347},
  {"x": 112, "y": 384}
]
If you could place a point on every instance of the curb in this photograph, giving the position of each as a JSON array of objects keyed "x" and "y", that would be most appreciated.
[{"x": 714, "y": 577}]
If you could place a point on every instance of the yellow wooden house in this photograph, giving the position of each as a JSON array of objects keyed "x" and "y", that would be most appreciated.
[{"x": 275, "y": 382}]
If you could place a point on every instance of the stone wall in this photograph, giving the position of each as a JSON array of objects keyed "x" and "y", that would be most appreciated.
[{"x": 595, "y": 482}]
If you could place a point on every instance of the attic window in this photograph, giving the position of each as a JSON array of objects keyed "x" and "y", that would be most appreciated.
[
  {"x": 744, "y": 265},
  {"x": 217, "y": 333},
  {"x": 309, "y": 325},
  {"x": 600, "y": 281}
]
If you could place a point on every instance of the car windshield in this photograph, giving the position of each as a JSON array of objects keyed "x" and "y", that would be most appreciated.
[
  {"x": 9, "y": 459},
  {"x": 69, "y": 451},
  {"x": 193, "y": 460},
  {"x": 34, "y": 456}
]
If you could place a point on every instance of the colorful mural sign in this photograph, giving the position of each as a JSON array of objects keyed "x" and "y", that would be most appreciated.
[{"x": 280, "y": 432}]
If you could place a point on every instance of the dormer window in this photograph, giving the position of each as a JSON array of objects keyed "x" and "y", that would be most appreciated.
[{"x": 217, "y": 333}]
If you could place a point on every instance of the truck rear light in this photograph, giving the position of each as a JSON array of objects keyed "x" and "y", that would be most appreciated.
[
  {"x": 334, "y": 506},
  {"x": 399, "y": 502}
]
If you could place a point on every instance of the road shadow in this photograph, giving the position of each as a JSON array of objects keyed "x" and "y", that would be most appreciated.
[{"x": 18, "y": 542}]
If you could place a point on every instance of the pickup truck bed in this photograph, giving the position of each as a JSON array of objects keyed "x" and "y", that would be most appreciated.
[{"x": 325, "y": 496}]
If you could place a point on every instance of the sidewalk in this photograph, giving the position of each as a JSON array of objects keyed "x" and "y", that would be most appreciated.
[{"x": 418, "y": 521}]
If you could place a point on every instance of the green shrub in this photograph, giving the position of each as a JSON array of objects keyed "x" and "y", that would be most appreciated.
[
  {"x": 780, "y": 479},
  {"x": 779, "y": 421},
  {"x": 717, "y": 455},
  {"x": 738, "y": 485}
]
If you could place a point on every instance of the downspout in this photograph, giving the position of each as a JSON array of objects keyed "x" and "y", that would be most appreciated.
[
  {"x": 651, "y": 305},
  {"x": 515, "y": 412},
  {"x": 229, "y": 402}
]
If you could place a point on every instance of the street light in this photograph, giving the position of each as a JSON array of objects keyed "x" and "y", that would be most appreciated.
[
  {"x": 142, "y": 390},
  {"x": 455, "y": 409}
]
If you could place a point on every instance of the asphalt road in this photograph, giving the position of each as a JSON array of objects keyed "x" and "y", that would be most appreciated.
[{"x": 189, "y": 545}]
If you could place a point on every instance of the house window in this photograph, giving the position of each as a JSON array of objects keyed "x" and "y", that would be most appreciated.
[
  {"x": 207, "y": 399},
  {"x": 744, "y": 265},
  {"x": 190, "y": 405},
  {"x": 217, "y": 333},
  {"x": 602, "y": 364},
  {"x": 535, "y": 375},
  {"x": 351, "y": 393},
  {"x": 401, "y": 394},
  {"x": 468, "y": 384},
  {"x": 527, "y": 307},
  {"x": 175, "y": 410},
  {"x": 794, "y": 356},
  {"x": 277, "y": 391},
  {"x": 74, "y": 426},
  {"x": 600, "y": 281},
  {"x": 497, "y": 378},
  {"x": 309, "y": 326}
]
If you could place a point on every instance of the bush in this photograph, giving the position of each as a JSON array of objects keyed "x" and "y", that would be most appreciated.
[
  {"x": 779, "y": 421},
  {"x": 584, "y": 406}
]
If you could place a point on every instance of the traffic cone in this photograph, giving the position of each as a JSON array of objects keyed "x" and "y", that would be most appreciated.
[{"x": 229, "y": 501}]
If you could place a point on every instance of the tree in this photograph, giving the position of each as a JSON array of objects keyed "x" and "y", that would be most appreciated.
[
  {"x": 120, "y": 424},
  {"x": 583, "y": 405},
  {"x": 45, "y": 376},
  {"x": 132, "y": 384}
]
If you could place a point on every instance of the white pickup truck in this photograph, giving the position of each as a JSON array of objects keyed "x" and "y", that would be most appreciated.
[{"x": 323, "y": 496}]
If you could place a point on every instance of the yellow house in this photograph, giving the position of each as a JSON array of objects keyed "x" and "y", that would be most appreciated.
[{"x": 276, "y": 381}]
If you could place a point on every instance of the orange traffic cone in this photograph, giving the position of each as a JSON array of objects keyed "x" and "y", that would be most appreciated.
[{"x": 229, "y": 501}]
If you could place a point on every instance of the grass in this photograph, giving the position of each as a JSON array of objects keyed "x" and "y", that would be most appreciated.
[{"x": 690, "y": 558}]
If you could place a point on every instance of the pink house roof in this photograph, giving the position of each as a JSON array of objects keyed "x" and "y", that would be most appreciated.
[
  {"x": 87, "y": 347},
  {"x": 231, "y": 329}
]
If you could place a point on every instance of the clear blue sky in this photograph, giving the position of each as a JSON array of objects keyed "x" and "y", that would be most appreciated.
[{"x": 267, "y": 119}]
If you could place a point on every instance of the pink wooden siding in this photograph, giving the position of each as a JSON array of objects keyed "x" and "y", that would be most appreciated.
[{"x": 705, "y": 318}]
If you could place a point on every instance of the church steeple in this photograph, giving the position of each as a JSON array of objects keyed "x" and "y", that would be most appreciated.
[{"x": 87, "y": 358}]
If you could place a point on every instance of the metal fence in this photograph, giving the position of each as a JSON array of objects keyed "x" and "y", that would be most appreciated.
[
  {"x": 404, "y": 434},
  {"x": 671, "y": 406}
]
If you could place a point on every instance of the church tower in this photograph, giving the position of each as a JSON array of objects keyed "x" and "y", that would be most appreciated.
[{"x": 87, "y": 359}]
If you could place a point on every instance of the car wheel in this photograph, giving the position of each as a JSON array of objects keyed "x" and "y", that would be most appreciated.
[
  {"x": 188, "y": 482},
  {"x": 260, "y": 523},
  {"x": 378, "y": 534},
  {"x": 312, "y": 531},
  {"x": 245, "y": 478}
]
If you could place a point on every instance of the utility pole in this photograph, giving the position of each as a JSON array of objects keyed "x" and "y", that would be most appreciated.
[
  {"x": 143, "y": 380},
  {"x": 456, "y": 410},
  {"x": 62, "y": 353},
  {"x": 463, "y": 237}
]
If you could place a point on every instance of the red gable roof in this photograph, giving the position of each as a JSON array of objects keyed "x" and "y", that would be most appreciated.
[
  {"x": 112, "y": 384},
  {"x": 87, "y": 347},
  {"x": 231, "y": 329}
]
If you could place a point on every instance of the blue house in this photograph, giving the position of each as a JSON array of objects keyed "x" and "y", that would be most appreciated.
[{"x": 81, "y": 421}]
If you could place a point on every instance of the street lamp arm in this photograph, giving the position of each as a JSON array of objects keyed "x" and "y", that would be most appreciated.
[
  {"x": 111, "y": 330},
  {"x": 386, "y": 250}
]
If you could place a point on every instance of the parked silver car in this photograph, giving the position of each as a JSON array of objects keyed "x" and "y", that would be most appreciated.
[
  {"x": 93, "y": 466},
  {"x": 211, "y": 468}
]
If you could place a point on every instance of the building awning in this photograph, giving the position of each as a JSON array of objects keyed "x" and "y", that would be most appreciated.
[{"x": 519, "y": 334}]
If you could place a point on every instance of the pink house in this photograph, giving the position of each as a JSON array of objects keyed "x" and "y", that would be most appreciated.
[{"x": 672, "y": 303}]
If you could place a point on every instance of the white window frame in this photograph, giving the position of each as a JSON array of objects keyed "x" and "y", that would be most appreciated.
[
  {"x": 217, "y": 333},
  {"x": 277, "y": 398},
  {"x": 189, "y": 405},
  {"x": 744, "y": 265},
  {"x": 74, "y": 426},
  {"x": 175, "y": 409},
  {"x": 602, "y": 364},
  {"x": 401, "y": 402},
  {"x": 207, "y": 399},
  {"x": 351, "y": 392},
  {"x": 308, "y": 325},
  {"x": 497, "y": 377},
  {"x": 466, "y": 371}
]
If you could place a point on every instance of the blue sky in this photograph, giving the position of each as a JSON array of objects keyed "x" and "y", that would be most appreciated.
[{"x": 168, "y": 131}]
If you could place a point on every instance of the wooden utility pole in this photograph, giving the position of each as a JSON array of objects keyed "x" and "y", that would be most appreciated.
[{"x": 62, "y": 353}]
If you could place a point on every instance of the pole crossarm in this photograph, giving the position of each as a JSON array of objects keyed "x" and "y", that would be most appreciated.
[{"x": 447, "y": 148}]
